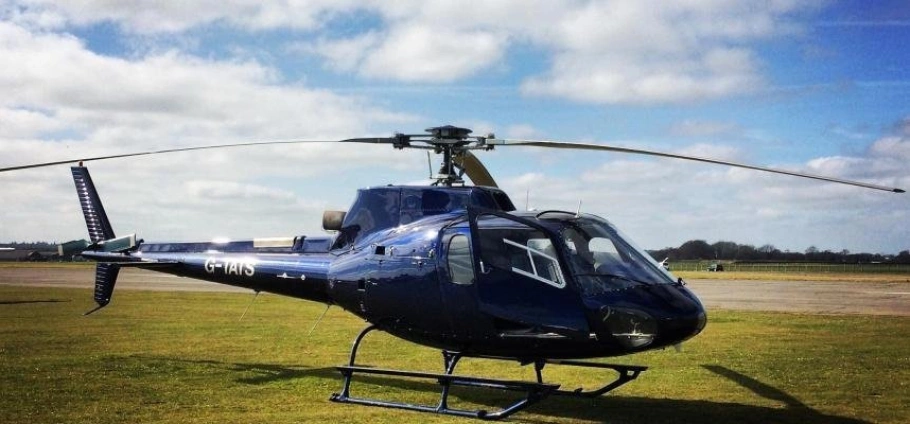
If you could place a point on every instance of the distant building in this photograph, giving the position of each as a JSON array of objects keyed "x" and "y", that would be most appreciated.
[
  {"x": 36, "y": 256},
  {"x": 16, "y": 255},
  {"x": 12, "y": 255}
]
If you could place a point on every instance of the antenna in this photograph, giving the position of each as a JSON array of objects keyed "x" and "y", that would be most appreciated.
[
  {"x": 430, "y": 164},
  {"x": 248, "y": 305},
  {"x": 320, "y": 318},
  {"x": 578, "y": 211},
  {"x": 528, "y": 199}
]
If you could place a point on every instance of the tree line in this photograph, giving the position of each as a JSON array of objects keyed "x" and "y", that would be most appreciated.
[{"x": 730, "y": 251}]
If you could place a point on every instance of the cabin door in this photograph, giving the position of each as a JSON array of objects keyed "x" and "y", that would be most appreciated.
[
  {"x": 458, "y": 285},
  {"x": 521, "y": 278}
]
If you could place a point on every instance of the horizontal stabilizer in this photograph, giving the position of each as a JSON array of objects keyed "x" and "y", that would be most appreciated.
[{"x": 119, "y": 244}]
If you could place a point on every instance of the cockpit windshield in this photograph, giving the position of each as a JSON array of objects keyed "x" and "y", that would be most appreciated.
[{"x": 602, "y": 260}]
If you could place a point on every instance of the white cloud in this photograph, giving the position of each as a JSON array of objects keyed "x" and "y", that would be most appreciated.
[
  {"x": 896, "y": 147},
  {"x": 344, "y": 55},
  {"x": 63, "y": 101},
  {"x": 56, "y": 71},
  {"x": 664, "y": 202},
  {"x": 714, "y": 151},
  {"x": 217, "y": 190},
  {"x": 415, "y": 53},
  {"x": 422, "y": 53},
  {"x": 172, "y": 17},
  {"x": 633, "y": 52},
  {"x": 25, "y": 123},
  {"x": 603, "y": 52}
]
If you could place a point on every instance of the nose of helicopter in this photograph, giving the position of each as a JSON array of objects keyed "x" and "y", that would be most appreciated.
[{"x": 649, "y": 317}]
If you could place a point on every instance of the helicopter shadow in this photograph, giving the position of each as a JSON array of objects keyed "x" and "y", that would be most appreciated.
[
  {"x": 629, "y": 409},
  {"x": 264, "y": 373},
  {"x": 607, "y": 409}
]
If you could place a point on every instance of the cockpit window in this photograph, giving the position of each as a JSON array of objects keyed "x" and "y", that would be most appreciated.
[
  {"x": 604, "y": 252},
  {"x": 603, "y": 260},
  {"x": 589, "y": 249}
]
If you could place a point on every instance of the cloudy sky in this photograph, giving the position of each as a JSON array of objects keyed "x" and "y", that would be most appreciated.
[{"x": 810, "y": 86}]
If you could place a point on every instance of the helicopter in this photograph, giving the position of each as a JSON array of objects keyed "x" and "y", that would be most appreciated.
[{"x": 452, "y": 266}]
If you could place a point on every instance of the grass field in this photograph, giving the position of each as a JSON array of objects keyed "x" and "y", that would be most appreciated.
[{"x": 185, "y": 357}]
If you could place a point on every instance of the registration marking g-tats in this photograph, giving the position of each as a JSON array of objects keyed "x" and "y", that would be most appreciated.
[{"x": 238, "y": 267}]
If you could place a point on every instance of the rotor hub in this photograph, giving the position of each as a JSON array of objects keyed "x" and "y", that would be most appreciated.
[{"x": 449, "y": 132}]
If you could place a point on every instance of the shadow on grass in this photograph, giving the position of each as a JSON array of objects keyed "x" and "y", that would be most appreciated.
[
  {"x": 757, "y": 387},
  {"x": 265, "y": 373},
  {"x": 621, "y": 409},
  {"x": 607, "y": 409},
  {"x": 26, "y": 302}
]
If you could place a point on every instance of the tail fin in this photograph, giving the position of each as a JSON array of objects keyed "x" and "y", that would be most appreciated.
[
  {"x": 105, "y": 278},
  {"x": 99, "y": 230}
]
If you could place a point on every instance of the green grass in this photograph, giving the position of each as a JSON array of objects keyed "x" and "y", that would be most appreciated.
[{"x": 184, "y": 357}]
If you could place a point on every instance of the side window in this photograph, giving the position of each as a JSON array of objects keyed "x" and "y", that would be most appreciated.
[
  {"x": 536, "y": 259},
  {"x": 514, "y": 247},
  {"x": 461, "y": 264}
]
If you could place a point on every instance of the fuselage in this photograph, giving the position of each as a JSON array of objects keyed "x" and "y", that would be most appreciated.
[{"x": 456, "y": 268}]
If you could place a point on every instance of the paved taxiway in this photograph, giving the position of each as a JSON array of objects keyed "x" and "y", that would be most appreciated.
[{"x": 786, "y": 296}]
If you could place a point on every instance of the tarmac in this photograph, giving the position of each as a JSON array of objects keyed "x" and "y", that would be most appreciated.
[{"x": 816, "y": 297}]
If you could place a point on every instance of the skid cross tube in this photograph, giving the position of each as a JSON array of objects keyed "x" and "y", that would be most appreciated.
[{"x": 535, "y": 391}]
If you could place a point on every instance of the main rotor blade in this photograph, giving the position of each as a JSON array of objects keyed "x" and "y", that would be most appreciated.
[
  {"x": 607, "y": 148},
  {"x": 475, "y": 170},
  {"x": 188, "y": 149}
]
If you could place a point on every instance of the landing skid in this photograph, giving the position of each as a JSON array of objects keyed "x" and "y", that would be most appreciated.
[
  {"x": 534, "y": 391},
  {"x": 626, "y": 373}
]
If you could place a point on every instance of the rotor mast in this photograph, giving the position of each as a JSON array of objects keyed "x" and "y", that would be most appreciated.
[{"x": 451, "y": 142}]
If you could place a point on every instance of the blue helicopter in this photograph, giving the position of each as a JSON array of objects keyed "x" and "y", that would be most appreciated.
[{"x": 450, "y": 266}]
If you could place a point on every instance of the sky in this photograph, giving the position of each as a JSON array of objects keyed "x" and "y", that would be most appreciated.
[{"x": 809, "y": 86}]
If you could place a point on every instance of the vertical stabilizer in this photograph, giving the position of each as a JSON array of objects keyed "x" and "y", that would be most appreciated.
[
  {"x": 99, "y": 228},
  {"x": 105, "y": 278}
]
